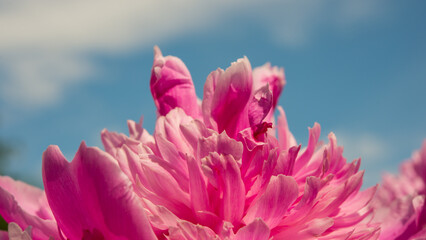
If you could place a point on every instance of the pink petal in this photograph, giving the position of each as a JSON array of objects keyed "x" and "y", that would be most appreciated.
[
  {"x": 92, "y": 195},
  {"x": 169, "y": 128},
  {"x": 223, "y": 173},
  {"x": 220, "y": 143},
  {"x": 22, "y": 192},
  {"x": 171, "y": 85},
  {"x": 138, "y": 133},
  {"x": 256, "y": 230},
  {"x": 274, "y": 203},
  {"x": 302, "y": 160},
  {"x": 260, "y": 105},
  {"x": 32, "y": 209},
  {"x": 189, "y": 231},
  {"x": 198, "y": 187},
  {"x": 286, "y": 138},
  {"x": 226, "y": 94},
  {"x": 272, "y": 76}
]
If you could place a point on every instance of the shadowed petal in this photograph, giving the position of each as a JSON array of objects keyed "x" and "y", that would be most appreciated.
[{"x": 171, "y": 85}]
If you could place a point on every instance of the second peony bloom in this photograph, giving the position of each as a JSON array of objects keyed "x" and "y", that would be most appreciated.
[{"x": 220, "y": 168}]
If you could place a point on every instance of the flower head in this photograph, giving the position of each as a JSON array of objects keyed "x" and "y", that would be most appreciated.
[
  {"x": 399, "y": 204},
  {"x": 211, "y": 170}
]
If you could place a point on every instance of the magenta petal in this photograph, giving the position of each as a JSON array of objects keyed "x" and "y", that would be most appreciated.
[
  {"x": 256, "y": 230},
  {"x": 87, "y": 195},
  {"x": 260, "y": 105},
  {"x": 171, "y": 85},
  {"x": 274, "y": 203},
  {"x": 226, "y": 95}
]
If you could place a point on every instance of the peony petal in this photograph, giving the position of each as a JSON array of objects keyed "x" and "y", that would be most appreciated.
[
  {"x": 274, "y": 203},
  {"x": 169, "y": 128},
  {"x": 274, "y": 78},
  {"x": 11, "y": 211},
  {"x": 137, "y": 132},
  {"x": 16, "y": 233},
  {"x": 92, "y": 195},
  {"x": 198, "y": 188},
  {"x": 224, "y": 173},
  {"x": 302, "y": 160},
  {"x": 256, "y": 230},
  {"x": 219, "y": 143},
  {"x": 286, "y": 138},
  {"x": 260, "y": 105},
  {"x": 23, "y": 192},
  {"x": 171, "y": 85},
  {"x": 226, "y": 95},
  {"x": 189, "y": 231}
]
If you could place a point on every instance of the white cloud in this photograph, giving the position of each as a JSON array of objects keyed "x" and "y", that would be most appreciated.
[
  {"x": 44, "y": 44},
  {"x": 372, "y": 149}
]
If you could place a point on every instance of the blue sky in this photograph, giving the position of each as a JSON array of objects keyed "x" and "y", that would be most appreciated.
[{"x": 70, "y": 69}]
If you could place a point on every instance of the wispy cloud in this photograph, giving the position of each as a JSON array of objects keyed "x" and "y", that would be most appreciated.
[
  {"x": 44, "y": 45},
  {"x": 372, "y": 148}
]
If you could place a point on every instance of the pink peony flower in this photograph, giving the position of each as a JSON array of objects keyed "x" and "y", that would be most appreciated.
[
  {"x": 212, "y": 170},
  {"x": 399, "y": 204}
]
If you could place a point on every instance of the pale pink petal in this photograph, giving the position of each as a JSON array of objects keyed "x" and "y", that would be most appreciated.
[
  {"x": 11, "y": 211},
  {"x": 86, "y": 196},
  {"x": 16, "y": 233},
  {"x": 256, "y": 230},
  {"x": 171, "y": 85},
  {"x": 169, "y": 128},
  {"x": 219, "y": 143},
  {"x": 137, "y": 132},
  {"x": 22, "y": 192},
  {"x": 189, "y": 231},
  {"x": 226, "y": 95},
  {"x": 274, "y": 203}
]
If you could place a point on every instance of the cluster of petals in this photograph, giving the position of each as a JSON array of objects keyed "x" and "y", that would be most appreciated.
[
  {"x": 216, "y": 168},
  {"x": 399, "y": 204}
]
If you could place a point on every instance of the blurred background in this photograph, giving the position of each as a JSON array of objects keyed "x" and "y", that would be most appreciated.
[{"x": 68, "y": 69}]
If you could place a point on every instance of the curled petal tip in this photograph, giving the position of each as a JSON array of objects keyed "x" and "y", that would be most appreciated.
[{"x": 157, "y": 52}]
